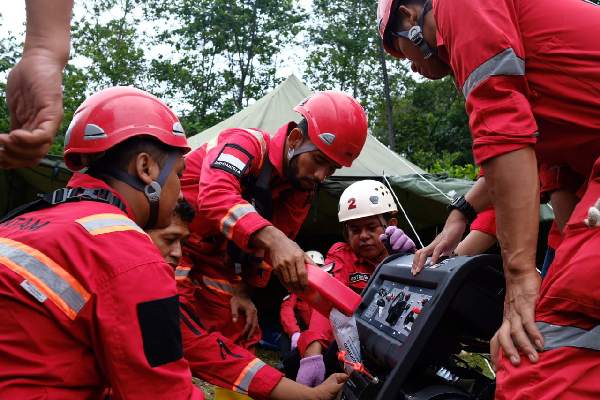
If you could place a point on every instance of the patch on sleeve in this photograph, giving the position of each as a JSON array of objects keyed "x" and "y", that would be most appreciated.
[
  {"x": 359, "y": 277},
  {"x": 161, "y": 333},
  {"x": 233, "y": 159}
]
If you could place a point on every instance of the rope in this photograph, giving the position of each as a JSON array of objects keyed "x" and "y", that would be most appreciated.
[
  {"x": 403, "y": 210},
  {"x": 425, "y": 179}
]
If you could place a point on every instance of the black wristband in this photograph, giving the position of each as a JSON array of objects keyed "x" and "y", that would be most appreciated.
[{"x": 462, "y": 205}]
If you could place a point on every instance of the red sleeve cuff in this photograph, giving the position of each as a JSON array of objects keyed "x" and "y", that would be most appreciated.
[
  {"x": 264, "y": 382},
  {"x": 485, "y": 149},
  {"x": 245, "y": 227},
  {"x": 307, "y": 337}
]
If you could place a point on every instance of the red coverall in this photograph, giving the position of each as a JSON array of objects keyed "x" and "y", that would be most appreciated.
[
  {"x": 86, "y": 303},
  {"x": 353, "y": 272},
  {"x": 485, "y": 222},
  {"x": 214, "y": 180},
  {"x": 529, "y": 72},
  {"x": 293, "y": 309},
  {"x": 216, "y": 360}
]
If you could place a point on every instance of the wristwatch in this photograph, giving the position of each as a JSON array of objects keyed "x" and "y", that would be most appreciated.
[{"x": 462, "y": 205}]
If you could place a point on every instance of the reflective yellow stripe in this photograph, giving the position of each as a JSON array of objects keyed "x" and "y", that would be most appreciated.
[
  {"x": 243, "y": 381},
  {"x": 45, "y": 275},
  {"x": 234, "y": 214},
  {"x": 218, "y": 285},
  {"x": 99, "y": 224},
  {"x": 182, "y": 273},
  {"x": 263, "y": 144}
]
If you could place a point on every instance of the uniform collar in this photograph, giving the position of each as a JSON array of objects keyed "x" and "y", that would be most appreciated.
[
  {"x": 89, "y": 182},
  {"x": 277, "y": 145}
]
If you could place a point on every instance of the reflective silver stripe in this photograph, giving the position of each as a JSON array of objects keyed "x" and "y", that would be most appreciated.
[
  {"x": 556, "y": 336},
  {"x": 261, "y": 139},
  {"x": 92, "y": 224},
  {"x": 248, "y": 375},
  {"x": 218, "y": 284},
  {"x": 233, "y": 215},
  {"x": 504, "y": 63},
  {"x": 182, "y": 272},
  {"x": 45, "y": 274}
]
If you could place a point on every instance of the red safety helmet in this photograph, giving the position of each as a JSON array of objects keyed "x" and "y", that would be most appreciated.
[
  {"x": 337, "y": 125},
  {"x": 384, "y": 12},
  {"x": 113, "y": 115}
]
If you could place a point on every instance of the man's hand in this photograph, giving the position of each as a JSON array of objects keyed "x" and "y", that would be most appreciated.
[
  {"x": 241, "y": 304},
  {"x": 518, "y": 331},
  {"x": 329, "y": 389},
  {"x": 34, "y": 97},
  {"x": 287, "y": 258},
  {"x": 444, "y": 243}
]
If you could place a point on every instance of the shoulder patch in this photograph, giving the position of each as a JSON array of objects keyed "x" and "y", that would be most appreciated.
[
  {"x": 161, "y": 333},
  {"x": 233, "y": 159}
]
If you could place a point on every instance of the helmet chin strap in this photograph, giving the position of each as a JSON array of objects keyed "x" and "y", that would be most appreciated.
[
  {"x": 152, "y": 190},
  {"x": 415, "y": 33}
]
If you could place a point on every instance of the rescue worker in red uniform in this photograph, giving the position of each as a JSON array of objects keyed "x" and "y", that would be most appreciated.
[
  {"x": 252, "y": 193},
  {"x": 367, "y": 209},
  {"x": 529, "y": 73},
  {"x": 86, "y": 300},
  {"x": 214, "y": 358}
]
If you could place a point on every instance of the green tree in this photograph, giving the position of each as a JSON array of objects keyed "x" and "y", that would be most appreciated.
[
  {"x": 222, "y": 53},
  {"x": 9, "y": 53},
  {"x": 430, "y": 123}
]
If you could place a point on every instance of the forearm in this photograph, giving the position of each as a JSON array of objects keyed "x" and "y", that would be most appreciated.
[
  {"x": 478, "y": 196},
  {"x": 265, "y": 237},
  {"x": 513, "y": 184},
  {"x": 313, "y": 349},
  {"x": 287, "y": 389},
  {"x": 48, "y": 28}
]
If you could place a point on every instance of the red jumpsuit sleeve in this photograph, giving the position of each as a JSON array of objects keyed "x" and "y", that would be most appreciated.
[
  {"x": 319, "y": 328},
  {"x": 216, "y": 360},
  {"x": 219, "y": 203},
  {"x": 288, "y": 315},
  {"x": 139, "y": 338},
  {"x": 488, "y": 61}
]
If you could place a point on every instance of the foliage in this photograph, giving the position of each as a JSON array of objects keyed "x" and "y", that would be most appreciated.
[{"x": 429, "y": 121}]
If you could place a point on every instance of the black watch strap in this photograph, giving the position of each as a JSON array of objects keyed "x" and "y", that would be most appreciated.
[{"x": 462, "y": 205}]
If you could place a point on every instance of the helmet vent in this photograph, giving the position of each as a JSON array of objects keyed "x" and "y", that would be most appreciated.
[
  {"x": 93, "y": 132},
  {"x": 178, "y": 129},
  {"x": 327, "y": 138}
]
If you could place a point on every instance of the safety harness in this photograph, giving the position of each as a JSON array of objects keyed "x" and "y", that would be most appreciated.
[{"x": 65, "y": 195}]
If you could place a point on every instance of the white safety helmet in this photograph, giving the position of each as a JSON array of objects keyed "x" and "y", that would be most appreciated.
[
  {"x": 364, "y": 199},
  {"x": 317, "y": 257}
]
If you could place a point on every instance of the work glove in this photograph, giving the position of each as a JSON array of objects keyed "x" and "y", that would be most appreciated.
[
  {"x": 294, "y": 339},
  {"x": 312, "y": 371},
  {"x": 398, "y": 241}
]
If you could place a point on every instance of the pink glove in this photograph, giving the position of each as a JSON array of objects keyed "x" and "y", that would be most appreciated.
[
  {"x": 398, "y": 240},
  {"x": 294, "y": 338},
  {"x": 312, "y": 371}
]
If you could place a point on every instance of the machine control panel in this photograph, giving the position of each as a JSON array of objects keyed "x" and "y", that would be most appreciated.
[{"x": 395, "y": 308}]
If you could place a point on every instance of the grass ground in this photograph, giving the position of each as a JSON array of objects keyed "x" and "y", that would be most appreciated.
[{"x": 270, "y": 357}]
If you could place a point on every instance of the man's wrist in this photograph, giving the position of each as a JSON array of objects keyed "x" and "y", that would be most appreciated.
[
  {"x": 265, "y": 237},
  {"x": 461, "y": 205},
  {"x": 58, "y": 56}
]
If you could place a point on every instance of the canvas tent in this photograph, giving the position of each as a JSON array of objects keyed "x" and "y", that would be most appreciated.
[{"x": 424, "y": 197}]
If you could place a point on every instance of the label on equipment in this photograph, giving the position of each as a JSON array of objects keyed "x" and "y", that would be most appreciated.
[{"x": 346, "y": 335}]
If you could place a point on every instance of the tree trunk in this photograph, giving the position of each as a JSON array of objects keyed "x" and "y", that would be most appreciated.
[{"x": 387, "y": 98}]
